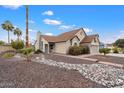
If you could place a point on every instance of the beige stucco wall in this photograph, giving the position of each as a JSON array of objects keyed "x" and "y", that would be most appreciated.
[
  {"x": 75, "y": 40},
  {"x": 94, "y": 46},
  {"x": 44, "y": 42},
  {"x": 95, "y": 43},
  {"x": 60, "y": 47},
  {"x": 38, "y": 40},
  {"x": 81, "y": 36}
]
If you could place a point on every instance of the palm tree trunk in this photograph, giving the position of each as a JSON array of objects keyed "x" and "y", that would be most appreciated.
[
  {"x": 27, "y": 38},
  {"x": 8, "y": 38},
  {"x": 18, "y": 38}
]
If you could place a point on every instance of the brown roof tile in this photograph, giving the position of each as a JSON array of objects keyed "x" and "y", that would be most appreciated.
[
  {"x": 88, "y": 39},
  {"x": 62, "y": 37}
]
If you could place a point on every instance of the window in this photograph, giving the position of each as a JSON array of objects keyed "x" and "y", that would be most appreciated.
[{"x": 75, "y": 44}]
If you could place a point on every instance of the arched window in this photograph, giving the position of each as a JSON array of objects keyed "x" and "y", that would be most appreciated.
[{"x": 75, "y": 44}]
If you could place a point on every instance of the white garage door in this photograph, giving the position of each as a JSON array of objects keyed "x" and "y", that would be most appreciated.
[{"x": 94, "y": 49}]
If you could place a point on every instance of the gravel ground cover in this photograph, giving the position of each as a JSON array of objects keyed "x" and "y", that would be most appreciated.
[
  {"x": 15, "y": 74},
  {"x": 113, "y": 59},
  {"x": 105, "y": 75}
]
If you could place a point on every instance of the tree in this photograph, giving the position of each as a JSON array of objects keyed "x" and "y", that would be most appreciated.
[
  {"x": 7, "y": 25},
  {"x": 2, "y": 42},
  {"x": 18, "y": 32},
  {"x": 27, "y": 37},
  {"x": 104, "y": 50},
  {"x": 119, "y": 43},
  {"x": 17, "y": 44}
]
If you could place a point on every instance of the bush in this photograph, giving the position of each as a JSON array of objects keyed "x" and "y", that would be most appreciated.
[
  {"x": 7, "y": 55},
  {"x": 104, "y": 50},
  {"x": 115, "y": 50},
  {"x": 2, "y": 43},
  {"x": 27, "y": 53},
  {"x": 38, "y": 51},
  {"x": 17, "y": 44},
  {"x": 78, "y": 50},
  {"x": 84, "y": 49}
]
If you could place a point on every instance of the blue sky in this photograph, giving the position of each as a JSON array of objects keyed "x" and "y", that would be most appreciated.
[{"x": 107, "y": 21}]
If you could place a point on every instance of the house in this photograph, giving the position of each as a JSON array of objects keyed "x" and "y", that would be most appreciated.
[
  {"x": 62, "y": 42},
  {"x": 101, "y": 45},
  {"x": 109, "y": 46}
]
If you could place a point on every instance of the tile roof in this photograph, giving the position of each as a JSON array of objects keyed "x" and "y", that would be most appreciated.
[
  {"x": 88, "y": 39},
  {"x": 62, "y": 37}
]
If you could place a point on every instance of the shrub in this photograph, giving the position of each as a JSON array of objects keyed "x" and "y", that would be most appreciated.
[
  {"x": 27, "y": 53},
  {"x": 84, "y": 49},
  {"x": 38, "y": 51},
  {"x": 104, "y": 50},
  {"x": 115, "y": 50},
  {"x": 17, "y": 44},
  {"x": 78, "y": 50},
  {"x": 8, "y": 55},
  {"x": 2, "y": 43}
]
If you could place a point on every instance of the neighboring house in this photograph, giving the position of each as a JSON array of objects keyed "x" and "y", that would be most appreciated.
[
  {"x": 62, "y": 42},
  {"x": 109, "y": 46},
  {"x": 101, "y": 45}
]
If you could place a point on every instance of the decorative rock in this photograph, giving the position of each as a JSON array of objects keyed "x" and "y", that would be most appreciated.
[{"x": 100, "y": 73}]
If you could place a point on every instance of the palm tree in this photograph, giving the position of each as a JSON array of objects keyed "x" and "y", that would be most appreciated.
[
  {"x": 17, "y": 32},
  {"x": 7, "y": 25},
  {"x": 27, "y": 37}
]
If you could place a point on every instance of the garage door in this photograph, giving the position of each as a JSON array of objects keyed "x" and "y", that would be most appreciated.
[{"x": 94, "y": 49}]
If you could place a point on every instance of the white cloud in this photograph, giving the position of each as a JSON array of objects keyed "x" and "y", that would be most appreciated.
[
  {"x": 121, "y": 35},
  {"x": 87, "y": 30},
  {"x": 67, "y": 27},
  {"x": 12, "y": 6},
  {"x": 32, "y": 30},
  {"x": 52, "y": 22},
  {"x": 31, "y": 21},
  {"x": 49, "y": 13},
  {"x": 113, "y": 38},
  {"x": 49, "y": 34}
]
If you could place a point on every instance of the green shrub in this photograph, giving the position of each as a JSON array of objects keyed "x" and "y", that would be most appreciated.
[
  {"x": 115, "y": 50},
  {"x": 7, "y": 55},
  {"x": 38, "y": 51},
  {"x": 17, "y": 44},
  {"x": 27, "y": 53},
  {"x": 2, "y": 43},
  {"x": 84, "y": 49},
  {"x": 104, "y": 50},
  {"x": 78, "y": 50}
]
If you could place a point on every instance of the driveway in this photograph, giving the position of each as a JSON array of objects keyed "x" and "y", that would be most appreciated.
[
  {"x": 68, "y": 59},
  {"x": 111, "y": 59}
]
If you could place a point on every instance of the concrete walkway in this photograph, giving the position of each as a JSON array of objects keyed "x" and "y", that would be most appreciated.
[{"x": 116, "y": 55}]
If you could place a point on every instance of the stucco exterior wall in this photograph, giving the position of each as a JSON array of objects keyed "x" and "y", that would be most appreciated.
[
  {"x": 81, "y": 34},
  {"x": 75, "y": 40},
  {"x": 37, "y": 45},
  {"x": 43, "y": 46},
  {"x": 95, "y": 42}
]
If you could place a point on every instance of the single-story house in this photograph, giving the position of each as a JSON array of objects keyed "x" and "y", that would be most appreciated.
[{"x": 62, "y": 42}]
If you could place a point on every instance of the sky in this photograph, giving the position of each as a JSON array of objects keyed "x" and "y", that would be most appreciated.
[{"x": 107, "y": 21}]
